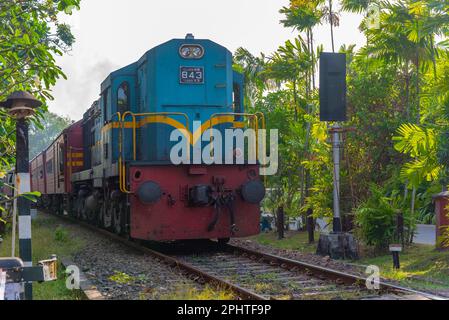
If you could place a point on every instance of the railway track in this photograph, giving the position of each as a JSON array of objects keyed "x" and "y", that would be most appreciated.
[
  {"x": 275, "y": 277},
  {"x": 254, "y": 275}
]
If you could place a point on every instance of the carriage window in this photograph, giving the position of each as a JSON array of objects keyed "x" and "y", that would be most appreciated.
[
  {"x": 123, "y": 97},
  {"x": 49, "y": 166},
  {"x": 61, "y": 159}
]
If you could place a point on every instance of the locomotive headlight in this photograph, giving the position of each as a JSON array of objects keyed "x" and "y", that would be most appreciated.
[
  {"x": 197, "y": 52},
  {"x": 185, "y": 52},
  {"x": 191, "y": 51}
]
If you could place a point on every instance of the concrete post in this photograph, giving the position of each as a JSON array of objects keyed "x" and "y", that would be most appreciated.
[{"x": 336, "y": 157}]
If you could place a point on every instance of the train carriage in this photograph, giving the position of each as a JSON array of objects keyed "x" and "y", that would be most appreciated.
[
  {"x": 37, "y": 173},
  {"x": 52, "y": 169}
]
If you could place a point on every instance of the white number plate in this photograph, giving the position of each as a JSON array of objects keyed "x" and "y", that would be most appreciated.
[{"x": 191, "y": 75}]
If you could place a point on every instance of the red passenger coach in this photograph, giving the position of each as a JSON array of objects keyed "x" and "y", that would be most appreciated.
[
  {"x": 37, "y": 170},
  {"x": 51, "y": 170}
]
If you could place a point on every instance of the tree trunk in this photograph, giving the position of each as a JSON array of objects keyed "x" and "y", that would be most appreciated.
[
  {"x": 332, "y": 25},
  {"x": 412, "y": 209},
  {"x": 280, "y": 222},
  {"x": 418, "y": 102},
  {"x": 310, "y": 225},
  {"x": 312, "y": 51},
  {"x": 295, "y": 100},
  {"x": 407, "y": 92}
]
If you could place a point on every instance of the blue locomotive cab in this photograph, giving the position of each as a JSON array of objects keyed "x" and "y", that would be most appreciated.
[{"x": 185, "y": 84}]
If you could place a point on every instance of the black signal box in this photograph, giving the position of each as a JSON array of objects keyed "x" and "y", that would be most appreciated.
[{"x": 332, "y": 86}]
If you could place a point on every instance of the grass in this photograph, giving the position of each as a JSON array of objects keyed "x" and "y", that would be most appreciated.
[
  {"x": 49, "y": 238},
  {"x": 186, "y": 292},
  {"x": 422, "y": 267},
  {"x": 294, "y": 240},
  {"x": 122, "y": 278}
]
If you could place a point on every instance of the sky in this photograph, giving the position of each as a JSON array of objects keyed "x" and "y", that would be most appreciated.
[{"x": 114, "y": 33}]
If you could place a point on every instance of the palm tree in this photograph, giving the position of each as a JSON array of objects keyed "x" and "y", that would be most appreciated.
[
  {"x": 290, "y": 64},
  {"x": 304, "y": 15},
  {"x": 251, "y": 67},
  {"x": 406, "y": 38}
]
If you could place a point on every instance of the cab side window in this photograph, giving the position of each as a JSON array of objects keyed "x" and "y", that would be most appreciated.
[{"x": 123, "y": 97}]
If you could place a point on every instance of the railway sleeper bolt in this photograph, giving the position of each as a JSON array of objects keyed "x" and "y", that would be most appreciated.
[{"x": 284, "y": 266}]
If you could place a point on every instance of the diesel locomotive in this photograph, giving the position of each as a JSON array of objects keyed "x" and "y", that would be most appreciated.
[{"x": 113, "y": 168}]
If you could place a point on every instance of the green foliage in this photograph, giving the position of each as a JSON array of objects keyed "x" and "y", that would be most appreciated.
[
  {"x": 121, "y": 278},
  {"x": 51, "y": 125},
  {"x": 376, "y": 219},
  {"x": 30, "y": 38},
  {"x": 422, "y": 268},
  {"x": 61, "y": 235},
  {"x": 28, "y": 44},
  {"x": 421, "y": 145}
]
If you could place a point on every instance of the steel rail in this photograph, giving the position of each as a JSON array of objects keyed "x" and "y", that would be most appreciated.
[
  {"x": 201, "y": 276},
  {"x": 320, "y": 272},
  {"x": 198, "y": 275}
]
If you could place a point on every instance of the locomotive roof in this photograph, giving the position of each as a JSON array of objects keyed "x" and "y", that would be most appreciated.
[{"x": 132, "y": 68}]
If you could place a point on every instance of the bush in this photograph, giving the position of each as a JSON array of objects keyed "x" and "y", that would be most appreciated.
[{"x": 376, "y": 220}]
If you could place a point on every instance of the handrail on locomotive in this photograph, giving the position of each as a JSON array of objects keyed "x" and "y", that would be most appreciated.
[
  {"x": 253, "y": 121},
  {"x": 122, "y": 160}
]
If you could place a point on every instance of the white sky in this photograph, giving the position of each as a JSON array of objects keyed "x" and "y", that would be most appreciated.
[{"x": 113, "y": 33}]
